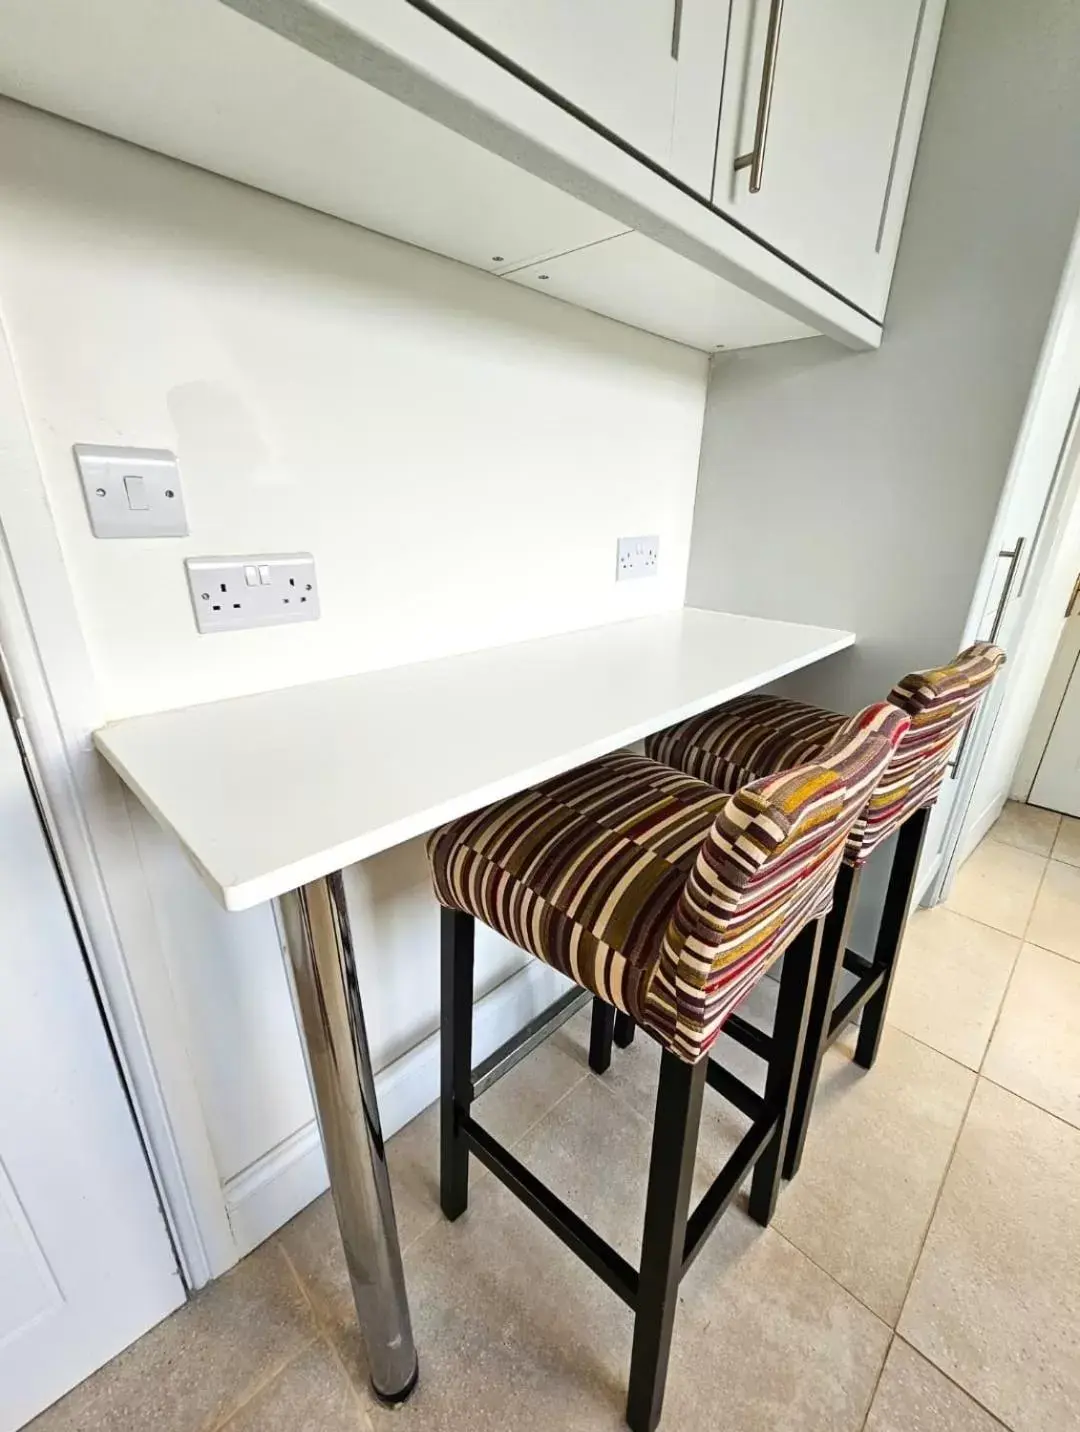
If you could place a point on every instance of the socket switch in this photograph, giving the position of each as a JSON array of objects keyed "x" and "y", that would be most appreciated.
[
  {"x": 131, "y": 492},
  {"x": 637, "y": 557},
  {"x": 230, "y": 593}
]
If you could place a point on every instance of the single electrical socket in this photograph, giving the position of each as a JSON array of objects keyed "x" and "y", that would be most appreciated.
[
  {"x": 637, "y": 557},
  {"x": 230, "y": 593}
]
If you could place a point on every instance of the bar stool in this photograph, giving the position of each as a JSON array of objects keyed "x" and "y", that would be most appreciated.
[
  {"x": 667, "y": 900},
  {"x": 761, "y": 735}
]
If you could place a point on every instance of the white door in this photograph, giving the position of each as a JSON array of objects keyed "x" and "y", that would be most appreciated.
[
  {"x": 840, "y": 83},
  {"x": 85, "y": 1261},
  {"x": 1057, "y": 781},
  {"x": 650, "y": 71}
]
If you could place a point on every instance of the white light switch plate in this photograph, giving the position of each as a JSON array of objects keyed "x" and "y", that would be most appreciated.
[
  {"x": 231, "y": 593},
  {"x": 637, "y": 557},
  {"x": 131, "y": 492}
]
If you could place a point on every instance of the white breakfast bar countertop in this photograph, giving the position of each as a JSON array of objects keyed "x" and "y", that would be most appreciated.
[{"x": 270, "y": 791}]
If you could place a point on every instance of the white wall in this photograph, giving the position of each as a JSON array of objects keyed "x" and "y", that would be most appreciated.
[
  {"x": 459, "y": 455},
  {"x": 860, "y": 489}
]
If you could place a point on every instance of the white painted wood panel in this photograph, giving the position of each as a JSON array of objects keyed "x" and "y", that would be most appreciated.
[
  {"x": 650, "y": 71},
  {"x": 364, "y": 763},
  {"x": 1057, "y": 783},
  {"x": 611, "y": 58},
  {"x": 851, "y": 79},
  {"x": 639, "y": 282},
  {"x": 85, "y": 1261}
]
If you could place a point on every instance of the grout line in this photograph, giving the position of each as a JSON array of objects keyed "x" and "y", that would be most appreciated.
[
  {"x": 937, "y": 1198},
  {"x": 877, "y": 1380},
  {"x": 360, "y": 1398},
  {"x": 923, "y": 1044},
  {"x": 1073, "y": 959},
  {"x": 324, "y": 1332},
  {"x": 261, "y": 1386},
  {"x": 772, "y": 1228},
  {"x": 986, "y": 1079},
  {"x": 952, "y": 1380},
  {"x": 1000, "y": 1009},
  {"x": 322, "y": 1327},
  {"x": 517, "y": 1139}
]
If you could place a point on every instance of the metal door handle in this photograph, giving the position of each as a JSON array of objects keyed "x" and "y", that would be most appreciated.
[
  {"x": 755, "y": 160},
  {"x": 676, "y": 29},
  {"x": 1014, "y": 554}
]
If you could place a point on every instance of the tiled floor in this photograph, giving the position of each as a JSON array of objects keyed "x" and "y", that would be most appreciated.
[{"x": 923, "y": 1272}]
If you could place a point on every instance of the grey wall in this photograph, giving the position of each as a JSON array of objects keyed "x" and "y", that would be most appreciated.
[{"x": 858, "y": 490}]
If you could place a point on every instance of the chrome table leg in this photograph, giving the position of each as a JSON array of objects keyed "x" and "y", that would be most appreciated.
[{"x": 315, "y": 920}]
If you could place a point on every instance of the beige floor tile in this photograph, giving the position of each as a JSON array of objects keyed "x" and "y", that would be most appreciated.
[
  {"x": 1027, "y": 827},
  {"x": 876, "y": 1155},
  {"x": 312, "y": 1394},
  {"x": 634, "y": 1072},
  {"x": 950, "y": 982},
  {"x": 1055, "y": 920},
  {"x": 995, "y": 1302},
  {"x": 515, "y": 1333},
  {"x": 192, "y": 1370},
  {"x": 913, "y": 1396},
  {"x": 1067, "y": 845},
  {"x": 997, "y": 885},
  {"x": 768, "y": 1342},
  {"x": 509, "y": 1110},
  {"x": 1036, "y": 1047}
]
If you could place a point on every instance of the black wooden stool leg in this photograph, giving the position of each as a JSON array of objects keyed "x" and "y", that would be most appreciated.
[
  {"x": 624, "y": 1030},
  {"x": 894, "y": 918},
  {"x": 457, "y": 937},
  {"x": 600, "y": 1035},
  {"x": 785, "y": 1061},
  {"x": 834, "y": 938},
  {"x": 671, "y": 1174}
]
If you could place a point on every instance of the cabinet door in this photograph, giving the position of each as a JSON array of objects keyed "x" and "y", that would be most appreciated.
[
  {"x": 843, "y": 85},
  {"x": 650, "y": 71}
]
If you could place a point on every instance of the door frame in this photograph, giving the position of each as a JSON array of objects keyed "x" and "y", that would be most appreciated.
[
  {"x": 1064, "y": 670},
  {"x": 52, "y": 678},
  {"x": 1048, "y": 439}
]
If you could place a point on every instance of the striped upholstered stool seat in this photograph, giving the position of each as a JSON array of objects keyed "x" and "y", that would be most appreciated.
[
  {"x": 598, "y": 874},
  {"x": 665, "y": 899},
  {"x": 759, "y": 736}
]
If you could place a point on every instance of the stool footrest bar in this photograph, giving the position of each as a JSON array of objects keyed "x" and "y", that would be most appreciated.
[
  {"x": 858, "y": 965},
  {"x": 748, "y": 1035},
  {"x": 724, "y": 1188},
  {"x": 852, "y": 1002},
  {"x": 745, "y": 1099},
  {"x": 593, "y": 1250},
  {"x": 492, "y": 1069}
]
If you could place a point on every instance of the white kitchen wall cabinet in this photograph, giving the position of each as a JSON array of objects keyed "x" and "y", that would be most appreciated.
[
  {"x": 649, "y": 71},
  {"x": 821, "y": 121},
  {"x": 506, "y": 134}
]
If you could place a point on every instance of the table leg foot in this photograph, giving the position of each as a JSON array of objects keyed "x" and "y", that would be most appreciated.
[{"x": 394, "y": 1399}]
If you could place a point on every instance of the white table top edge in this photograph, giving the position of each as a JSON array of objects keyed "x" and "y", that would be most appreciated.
[{"x": 240, "y": 891}]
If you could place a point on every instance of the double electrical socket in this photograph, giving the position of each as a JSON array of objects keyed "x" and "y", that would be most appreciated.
[
  {"x": 637, "y": 557},
  {"x": 230, "y": 593}
]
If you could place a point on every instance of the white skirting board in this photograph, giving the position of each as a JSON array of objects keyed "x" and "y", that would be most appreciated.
[{"x": 265, "y": 1195}]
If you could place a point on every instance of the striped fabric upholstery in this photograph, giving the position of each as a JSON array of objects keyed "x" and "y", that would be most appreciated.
[
  {"x": 762, "y": 735},
  {"x": 657, "y": 892}
]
